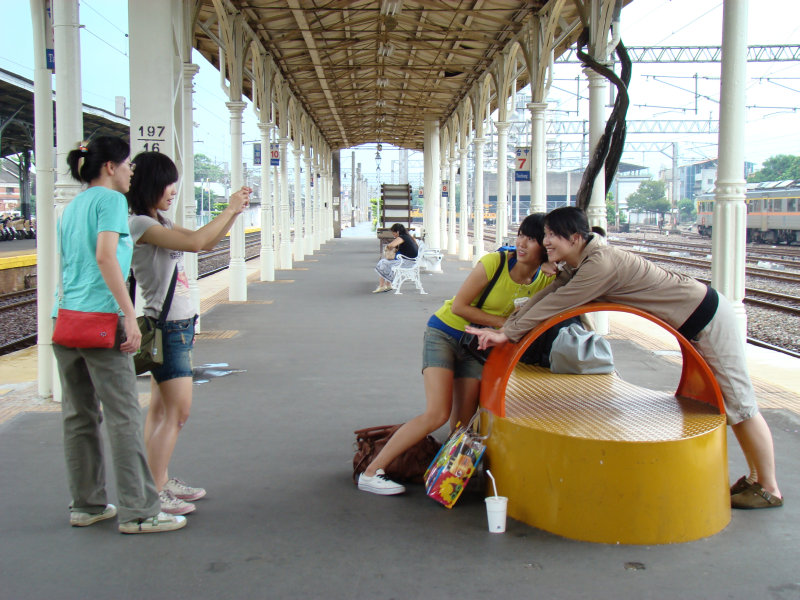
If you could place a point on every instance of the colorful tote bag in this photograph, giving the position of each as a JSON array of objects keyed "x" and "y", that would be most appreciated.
[{"x": 448, "y": 474}]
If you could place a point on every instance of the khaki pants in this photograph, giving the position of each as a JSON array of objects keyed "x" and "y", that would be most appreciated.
[{"x": 91, "y": 377}]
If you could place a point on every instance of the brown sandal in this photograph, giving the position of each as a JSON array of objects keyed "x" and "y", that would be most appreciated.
[
  {"x": 741, "y": 485},
  {"x": 755, "y": 496}
]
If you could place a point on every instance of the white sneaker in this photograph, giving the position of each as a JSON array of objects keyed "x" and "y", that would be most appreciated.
[
  {"x": 379, "y": 484},
  {"x": 172, "y": 505},
  {"x": 183, "y": 491},
  {"x": 160, "y": 523},
  {"x": 83, "y": 519}
]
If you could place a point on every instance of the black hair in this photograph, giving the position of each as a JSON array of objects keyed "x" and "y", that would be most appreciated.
[
  {"x": 532, "y": 226},
  {"x": 566, "y": 221},
  {"x": 86, "y": 161},
  {"x": 153, "y": 173},
  {"x": 399, "y": 228}
]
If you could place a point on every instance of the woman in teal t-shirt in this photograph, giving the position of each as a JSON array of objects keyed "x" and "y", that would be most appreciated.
[
  {"x": 95, "y": 250},
  {"x": 452, "y": 375}
]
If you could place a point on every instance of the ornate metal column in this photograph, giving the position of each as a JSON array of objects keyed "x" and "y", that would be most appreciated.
[
  {"x": 267, "y": 250},
  {"x": 45, "y": 181},
  {"x": 538, "y": 158},
  {"x": 298, "y": 203},
  {"x": 477, "y": 199},
  {"x": 463, "y": 240},
  {"x": 502, "y": 181},
  {"x": 729, "y": 236},
  {"x": 432, "y": 187},
  {"x": 237, "y": 290}
]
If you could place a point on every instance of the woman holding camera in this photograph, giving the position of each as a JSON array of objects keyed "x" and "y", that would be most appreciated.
[{"x": 159, "y": 245}]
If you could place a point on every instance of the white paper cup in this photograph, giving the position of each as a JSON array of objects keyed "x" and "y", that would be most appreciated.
[
  {"x": 496, "y": 513},
  {"x": 520, "y": 302}
]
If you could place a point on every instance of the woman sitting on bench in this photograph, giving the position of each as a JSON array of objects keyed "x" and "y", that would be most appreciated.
[
  {"x": 598, "y": 272},
  {"x": 452, "y": 375},
  {"x": 403, "y": 244}
]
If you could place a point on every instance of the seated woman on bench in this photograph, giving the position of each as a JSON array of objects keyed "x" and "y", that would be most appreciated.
[
  {"x": 595, "y": 271},
  {"x": 450, "y": 373},
  {"x": 403, "y": 244}
]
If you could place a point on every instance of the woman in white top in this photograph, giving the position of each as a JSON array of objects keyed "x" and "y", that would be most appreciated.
[{"x": 159, "y": 245}]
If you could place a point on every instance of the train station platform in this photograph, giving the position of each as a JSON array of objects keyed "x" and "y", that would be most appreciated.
[{"x": 311, "y": 357}]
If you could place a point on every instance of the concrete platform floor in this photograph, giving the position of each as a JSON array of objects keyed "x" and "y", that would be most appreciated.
[{"x": 321, "y": 356}]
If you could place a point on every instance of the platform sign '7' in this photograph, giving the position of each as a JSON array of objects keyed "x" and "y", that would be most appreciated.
[{"x": 523, "y": 169}]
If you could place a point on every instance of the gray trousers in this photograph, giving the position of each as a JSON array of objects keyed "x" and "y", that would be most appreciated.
[{"x": 91, "y": 377}]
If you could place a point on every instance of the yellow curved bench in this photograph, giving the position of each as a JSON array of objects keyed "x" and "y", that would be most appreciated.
[{"x": 595, "y": 458}]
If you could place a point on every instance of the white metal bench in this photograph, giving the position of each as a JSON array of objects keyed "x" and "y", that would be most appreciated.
[{"x": 408, "y": 269}]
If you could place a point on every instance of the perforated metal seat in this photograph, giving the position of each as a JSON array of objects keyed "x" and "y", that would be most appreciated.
[{"x": 596, "y": 458}]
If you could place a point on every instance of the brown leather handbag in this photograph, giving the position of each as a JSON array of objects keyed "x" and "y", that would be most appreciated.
[{"x": 409, "y": 466}]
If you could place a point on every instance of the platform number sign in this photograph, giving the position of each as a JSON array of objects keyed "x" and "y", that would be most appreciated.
[
  {"x": 274, "y": 155},
  {"x": 523, "y": 166},
  {"x": 445, "y": 188},
  {"x": 151, "y": 137}
]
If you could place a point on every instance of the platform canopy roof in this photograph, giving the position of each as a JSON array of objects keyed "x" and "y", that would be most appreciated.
[
  {"x": 368, "y": 71},
  {"x": 16, "y": 116}
]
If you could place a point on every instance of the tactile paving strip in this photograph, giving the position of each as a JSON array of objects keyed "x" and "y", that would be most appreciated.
[{"x": 603, "y": 407}]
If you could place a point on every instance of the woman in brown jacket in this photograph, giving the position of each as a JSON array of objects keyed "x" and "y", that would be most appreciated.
[{"x": 595, "y": 271}]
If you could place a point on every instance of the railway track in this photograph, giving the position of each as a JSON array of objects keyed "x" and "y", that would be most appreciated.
[{"x": 18, "y": 309}]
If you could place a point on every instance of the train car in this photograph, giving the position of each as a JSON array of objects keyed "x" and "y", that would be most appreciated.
[{"x": 773, "y": 212}]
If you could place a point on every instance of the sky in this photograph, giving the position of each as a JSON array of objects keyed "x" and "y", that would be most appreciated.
[{"x": 657, "y": 91}]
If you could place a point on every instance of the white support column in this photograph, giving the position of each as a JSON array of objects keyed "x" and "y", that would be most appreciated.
[
  {"x": 267, "y": 250},
  {"x": 538, "y": 158},
  {"x": 153, "y": 69},
  {"x": 286, "y": 247},
  {"x": 477, "y": 226},
  {"x": 596, "y": 211},
  {"x": 319, "y": 219},
  {"x": 729, "y": 236},
  {"x": 308, "y": 213},
  {"x": 189, "y": 202},
  {"x": 69, "y": 117},
  {"x": 276, "y": 202},
  {"x": 432, "y": 186},
  {"x": 463, "y": 221},
  {"x": 452, "y": 241},
  {"x": 237, "y": 287},
  {"x": 501, "y": 223},
  {"x": 45, "y": 180},
  {"x": 298, "y": 206},
  {"x": 442, "y": 203}
]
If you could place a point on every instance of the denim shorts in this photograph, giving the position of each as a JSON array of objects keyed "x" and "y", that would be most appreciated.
[
  {"x": 442, "y": 350},
  {"x": 178, "y": 343}
]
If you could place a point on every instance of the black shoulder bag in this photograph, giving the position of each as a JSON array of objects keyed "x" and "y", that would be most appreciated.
[
  {"x": 469, "y": 341},
  {"x": 151, "y": 350}
]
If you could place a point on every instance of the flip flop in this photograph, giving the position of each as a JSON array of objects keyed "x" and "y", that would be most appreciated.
[
  {"x": 755, "y": 496},
  {"x": 741, "y": 485}
]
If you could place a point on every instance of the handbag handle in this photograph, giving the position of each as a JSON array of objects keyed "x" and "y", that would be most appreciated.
[{"x": 488, "y": 289}]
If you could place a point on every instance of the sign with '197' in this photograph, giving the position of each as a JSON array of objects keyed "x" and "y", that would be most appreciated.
[{"x": 151, "y": 137}]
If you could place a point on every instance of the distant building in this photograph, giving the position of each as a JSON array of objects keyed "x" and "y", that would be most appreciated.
[
  {"x": 9, "y": 192},
  {"x": 697, "y": 178}
]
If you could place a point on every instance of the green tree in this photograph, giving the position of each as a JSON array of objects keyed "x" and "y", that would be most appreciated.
[
  {"x": 687, "y": 210},
  {"x": 650, "y": 197},
  {"x": 778, "y": 168},
  {"x": 205, "y": 168}
]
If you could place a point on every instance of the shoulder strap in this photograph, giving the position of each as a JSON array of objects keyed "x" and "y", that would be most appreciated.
[
  {"x": 168, "y": 300},
  {"x": 488, "y": 289}
]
